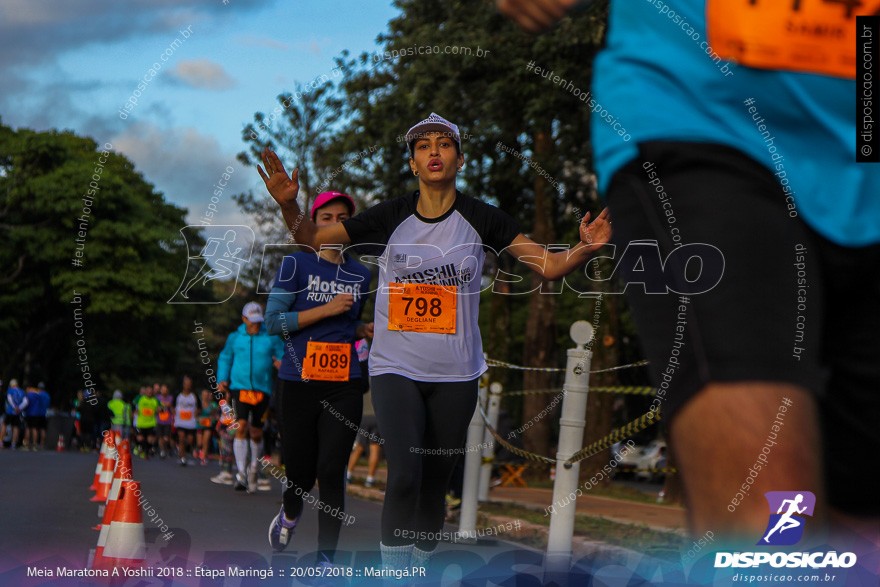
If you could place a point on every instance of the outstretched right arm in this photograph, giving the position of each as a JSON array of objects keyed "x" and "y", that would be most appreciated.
[{"x": 284, "y": 190}]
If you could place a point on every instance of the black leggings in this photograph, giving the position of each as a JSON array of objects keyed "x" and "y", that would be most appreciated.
[
  {"x": 416, "y": 417},
  {"x": 316, "y": 441}
]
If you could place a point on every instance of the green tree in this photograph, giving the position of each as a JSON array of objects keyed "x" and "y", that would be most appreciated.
[
  {"x": 302, "y": 130},
  {"x": 131, "y": 259}
]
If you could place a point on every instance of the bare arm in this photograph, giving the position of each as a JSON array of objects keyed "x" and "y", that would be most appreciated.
[
  {"x": 556, "y": 265},
  {"x": 284, "y": 190}
]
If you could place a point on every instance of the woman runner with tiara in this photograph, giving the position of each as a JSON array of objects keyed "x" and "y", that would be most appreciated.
[{"x": 427, "y": 355}]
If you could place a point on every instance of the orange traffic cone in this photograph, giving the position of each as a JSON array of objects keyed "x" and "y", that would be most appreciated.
[
  {"x": 122, "y": 474},
  {"x": 105, "y": 480},
  {"x": 60, "y": 447},
  {"x": 98, "y": 468},
  {"x": 111, "y": 447},
  {"x": 125, "y": 545}
]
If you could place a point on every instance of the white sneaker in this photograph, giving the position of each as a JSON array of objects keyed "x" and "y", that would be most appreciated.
[
  {"x": 224, "y": 478},
  {"x": 263, "y": 484}
]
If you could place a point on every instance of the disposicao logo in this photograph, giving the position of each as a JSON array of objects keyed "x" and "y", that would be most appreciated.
[{"x": 785, "y": 528}]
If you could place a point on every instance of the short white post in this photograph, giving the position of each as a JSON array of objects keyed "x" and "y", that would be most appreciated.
[
  {"x": 467, "y": 522},
  {"x": 488, "y": 440},
  {"x": 571, "y": 434}
]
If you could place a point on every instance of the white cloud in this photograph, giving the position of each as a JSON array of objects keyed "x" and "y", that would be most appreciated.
[
  {"x": 187, "y": 167},
  {"x": 38, "y": 32},
  {"x": 202, "y": 74}
]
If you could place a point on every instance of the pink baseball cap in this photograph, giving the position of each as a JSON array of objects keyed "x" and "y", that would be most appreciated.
[{"x": 327, "y": 197}]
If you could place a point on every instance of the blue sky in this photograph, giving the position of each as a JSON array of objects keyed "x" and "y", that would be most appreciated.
[{"x": 73, "y": 64}]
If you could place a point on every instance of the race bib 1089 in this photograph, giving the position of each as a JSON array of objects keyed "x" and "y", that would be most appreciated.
[{"x": 327, "y": 361}]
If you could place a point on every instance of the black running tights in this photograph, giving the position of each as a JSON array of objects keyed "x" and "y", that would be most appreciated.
[{"x": 424, "y": 426}]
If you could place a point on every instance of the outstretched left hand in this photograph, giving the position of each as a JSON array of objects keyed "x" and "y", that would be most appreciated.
[{"x": 596, "y": 233}]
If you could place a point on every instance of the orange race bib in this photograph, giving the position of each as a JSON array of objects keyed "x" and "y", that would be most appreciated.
[
  {"x": 418, "y": 307},
  {"x": 327, "y": 361},
  {"x": 186, "y": 414},
  {"x": 205, "y": 422},
  {"x": 249, "y": 396},
  {"x": 147, "y": 412},
  {"x": 812, "y": 36}
]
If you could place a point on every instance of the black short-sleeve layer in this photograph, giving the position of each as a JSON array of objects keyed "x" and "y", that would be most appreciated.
[{"x": 375, "y": 225}]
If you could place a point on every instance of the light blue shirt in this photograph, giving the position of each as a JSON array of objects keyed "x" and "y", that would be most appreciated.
[{"x": 656, "y": 78}]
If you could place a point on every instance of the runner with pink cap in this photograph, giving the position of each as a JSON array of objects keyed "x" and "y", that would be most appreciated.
[{"x": 315, "y": 304}]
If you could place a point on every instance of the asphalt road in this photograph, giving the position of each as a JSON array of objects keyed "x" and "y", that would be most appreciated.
[{"x": 47, "y": 519}]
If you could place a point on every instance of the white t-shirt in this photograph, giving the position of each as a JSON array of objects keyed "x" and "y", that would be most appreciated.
[
  {"x": 185, "y": 411},
  {"x": 448, "y": 250}
]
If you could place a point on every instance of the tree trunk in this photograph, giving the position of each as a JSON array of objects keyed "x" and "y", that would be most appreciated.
[
  {"x": 539, "y": 348},
  {"x": 499, "y": 333}
]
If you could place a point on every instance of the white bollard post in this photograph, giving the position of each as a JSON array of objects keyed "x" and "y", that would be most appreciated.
[
  {"x": 488, "y": 440},
  {"x": 467, "y": 522},
  {"x": 571, "y": 433}
]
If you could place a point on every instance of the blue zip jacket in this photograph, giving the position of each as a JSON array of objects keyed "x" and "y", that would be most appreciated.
[{"x": 246, "y": 360}]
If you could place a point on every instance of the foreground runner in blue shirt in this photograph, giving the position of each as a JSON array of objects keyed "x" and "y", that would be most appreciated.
[{"x": 742, "y": 121}]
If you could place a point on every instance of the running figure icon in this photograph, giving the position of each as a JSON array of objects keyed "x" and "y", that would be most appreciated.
[
  {"x": 786, "y": 522},
  {"x": 214, "y": 252},
  {"x": 211, "y": 251}
]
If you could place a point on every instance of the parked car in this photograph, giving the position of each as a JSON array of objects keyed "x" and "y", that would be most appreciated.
[
  {"x": 635, "y": 462},
  {"x": 652, "y": 457},
  {"x": 626, "y": 464}
]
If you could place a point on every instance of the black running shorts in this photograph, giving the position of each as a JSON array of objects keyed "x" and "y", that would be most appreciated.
[
  {"x": 250, "y": 405},
  {"x": 791, "y": 306}
]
